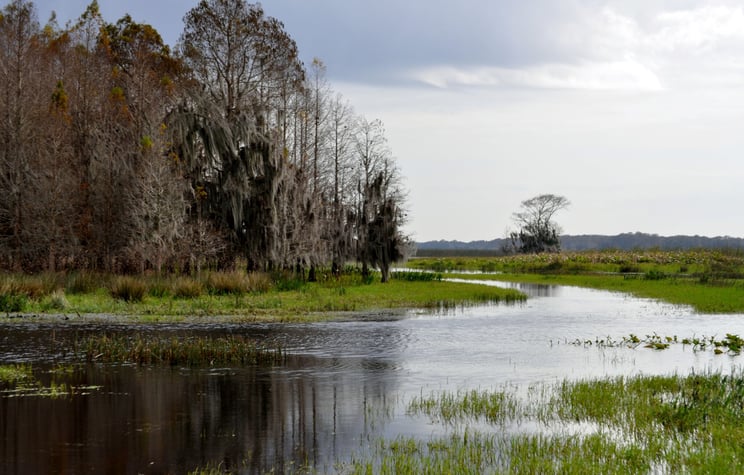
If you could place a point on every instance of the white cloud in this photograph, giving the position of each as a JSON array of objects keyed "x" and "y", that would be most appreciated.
[
  {"x": 698, "y": 31},
  {"x": 623, "y": 74}
]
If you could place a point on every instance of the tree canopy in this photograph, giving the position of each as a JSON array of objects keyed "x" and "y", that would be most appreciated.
[
  {"x": 123, "y": 154},
  {"x": 537, "y": 231}
]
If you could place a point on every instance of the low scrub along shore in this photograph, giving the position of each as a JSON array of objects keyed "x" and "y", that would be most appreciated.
[
  {"x": 711, "y": 281},
  {"x": 236, "y": 294}
]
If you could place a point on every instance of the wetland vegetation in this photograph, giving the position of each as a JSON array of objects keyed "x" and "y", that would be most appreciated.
[
  {"x": 711, "y": 281},
  {"x": 239, "y": 295},
  {"x": 624, "y": 425}
]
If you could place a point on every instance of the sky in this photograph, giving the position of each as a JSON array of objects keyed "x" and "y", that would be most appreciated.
[{"x": 631, "y": 109}]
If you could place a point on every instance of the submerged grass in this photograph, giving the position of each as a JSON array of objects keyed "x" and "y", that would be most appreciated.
[
  {"x": 625, "y": 425},
  {"x": 191, "y": 351}
]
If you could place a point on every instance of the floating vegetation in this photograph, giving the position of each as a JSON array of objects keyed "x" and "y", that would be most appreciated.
[
  {"x": 191, "y": 351},
  {"x": 731, "y": 344},
  {"x": 19, "y": 380},
  {"x": 14, "y": 375}
]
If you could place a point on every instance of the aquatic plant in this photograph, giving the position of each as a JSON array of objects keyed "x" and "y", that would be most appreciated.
[
  {"x": 731, "y": 343},
  {"x": 639, "y": 424},
  {"x": 190, "y": 351},
  {"x": 15, "y": 374}
]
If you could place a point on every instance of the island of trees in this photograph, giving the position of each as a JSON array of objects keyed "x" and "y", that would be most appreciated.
[{"x": 122, "y": 155}]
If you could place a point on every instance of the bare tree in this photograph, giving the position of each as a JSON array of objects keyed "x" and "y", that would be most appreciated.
[
  {"x": 19, "y": 92},
  {"x": 537, "y": 231}
]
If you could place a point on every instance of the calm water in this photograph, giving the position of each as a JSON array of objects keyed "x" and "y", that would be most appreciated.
[{"x": 346, "y": 384}]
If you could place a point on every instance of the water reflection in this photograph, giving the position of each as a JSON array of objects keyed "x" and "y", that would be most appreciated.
[{"x": 345, "y": 384}]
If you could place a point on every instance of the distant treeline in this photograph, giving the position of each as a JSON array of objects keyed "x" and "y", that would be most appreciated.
[{"x": 626, "y": 241}]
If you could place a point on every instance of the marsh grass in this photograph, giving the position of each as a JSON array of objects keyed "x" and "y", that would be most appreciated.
[
  {"x": 493, "y": 407},
  {"x": 128, "y": 289},
  {"x": 173, "y": 351},
  {"x": 311, "y": 302},
  {"x": 624, "y": 425},
  {"x": 710, "y": 281}
]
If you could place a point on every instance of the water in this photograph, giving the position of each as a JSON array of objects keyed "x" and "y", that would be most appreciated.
[{"x": 345, "y": 385}]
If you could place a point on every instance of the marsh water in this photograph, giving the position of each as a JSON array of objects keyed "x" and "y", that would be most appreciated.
[{"x": 345, "y": 385}]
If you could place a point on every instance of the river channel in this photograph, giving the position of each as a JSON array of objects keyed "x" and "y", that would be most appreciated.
[{"x": 345, "y": 385}]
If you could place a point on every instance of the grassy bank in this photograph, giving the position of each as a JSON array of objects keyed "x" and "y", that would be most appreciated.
[
  {"x": 250, "y": 297},
  {"x": 710, "y": 281},
  {"x": 640, "y": 424}
]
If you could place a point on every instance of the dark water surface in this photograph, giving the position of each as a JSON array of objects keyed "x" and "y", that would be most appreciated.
[{"x": 346, "y": 384}]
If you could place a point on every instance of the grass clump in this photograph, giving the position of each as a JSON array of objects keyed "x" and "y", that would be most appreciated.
[
  {"x": 493, "y": 407},
  {"x": 185, "y": 288},
  {"x": 56, "y": 301},
  {"x": 128, "y": 289},
  {"x": 203, "y": 351}
]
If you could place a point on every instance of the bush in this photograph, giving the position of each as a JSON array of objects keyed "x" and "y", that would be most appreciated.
[{"x": 128, "y": 289}]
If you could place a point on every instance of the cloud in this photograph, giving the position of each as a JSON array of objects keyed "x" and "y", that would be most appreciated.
[
  {"x": 624, "y": 74},
  {"x": 698, "y": 31}
]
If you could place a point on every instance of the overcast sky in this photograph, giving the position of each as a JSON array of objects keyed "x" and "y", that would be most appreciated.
[{"x": 632, "y": 109}]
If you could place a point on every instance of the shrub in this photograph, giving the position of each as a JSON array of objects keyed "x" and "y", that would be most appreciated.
[{"x": 128, "y": 289}]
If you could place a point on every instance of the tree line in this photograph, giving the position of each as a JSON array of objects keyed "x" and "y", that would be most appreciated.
[{"x": 122, "y": 155}]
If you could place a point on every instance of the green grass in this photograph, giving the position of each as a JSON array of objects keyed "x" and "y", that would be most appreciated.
[
  {"x": 625, "y": 425},
  {"x": 310, "y": 301},
  {"x": 709, "y": 281}
]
